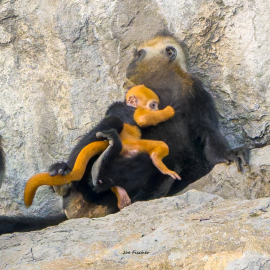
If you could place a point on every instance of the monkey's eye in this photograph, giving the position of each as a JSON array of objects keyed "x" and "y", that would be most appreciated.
[
  {"x": 171, "y": 52},
  {"x": 153, "y": 106}
]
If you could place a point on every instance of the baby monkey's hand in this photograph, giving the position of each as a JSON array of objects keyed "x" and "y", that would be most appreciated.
[{"x": 169, "y": 111}]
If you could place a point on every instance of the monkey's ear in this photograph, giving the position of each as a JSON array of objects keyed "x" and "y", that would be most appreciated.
[{"x": 132, "y": 101}]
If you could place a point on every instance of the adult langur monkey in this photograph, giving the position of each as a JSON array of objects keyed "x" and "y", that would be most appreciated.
[{"x": 192, "y": 135}]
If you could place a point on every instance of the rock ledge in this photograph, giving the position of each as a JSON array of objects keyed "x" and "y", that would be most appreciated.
[{"x": 195, "y": 230}]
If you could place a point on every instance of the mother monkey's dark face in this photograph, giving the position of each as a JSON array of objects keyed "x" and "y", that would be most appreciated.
[{"x": 155, "y": 58}]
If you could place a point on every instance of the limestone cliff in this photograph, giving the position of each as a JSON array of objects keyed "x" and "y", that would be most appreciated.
[{"x": 63, "y": 62}]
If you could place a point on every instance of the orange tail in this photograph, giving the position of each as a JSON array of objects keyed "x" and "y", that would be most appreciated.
[
  {"x": 42, "y": 179},
  {"x": 76, "y": 174}
]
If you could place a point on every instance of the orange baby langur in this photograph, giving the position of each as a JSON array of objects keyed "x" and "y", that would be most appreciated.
[{"x": 146, "y": 114}]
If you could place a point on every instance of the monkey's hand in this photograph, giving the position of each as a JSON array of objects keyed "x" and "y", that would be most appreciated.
[
  {"x": 168, "y": 112},
  {"x": 59, "y": 168},
  {"x": 239, "y": 155},
  {"x": 146, "y": 118}
]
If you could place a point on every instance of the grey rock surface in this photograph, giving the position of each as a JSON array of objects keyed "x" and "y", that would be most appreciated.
[
  {"x": 193, "y": 231},
  {"x": 63, "y": 62}
]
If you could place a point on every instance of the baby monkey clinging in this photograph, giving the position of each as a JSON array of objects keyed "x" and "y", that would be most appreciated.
[{"x": 129, "y": 143}]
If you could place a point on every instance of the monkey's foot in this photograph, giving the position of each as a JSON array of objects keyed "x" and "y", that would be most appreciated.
[
  {"x": 60, "y": 168},
  {"x": 172, "y": 174},
  {"x": 110, "y": 135},
  {"x": 239, "y": 155},
  {"x": 122, "y": 197}
]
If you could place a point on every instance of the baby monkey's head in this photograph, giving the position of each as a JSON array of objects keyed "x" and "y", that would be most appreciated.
[{"x": 142, "y": 97}]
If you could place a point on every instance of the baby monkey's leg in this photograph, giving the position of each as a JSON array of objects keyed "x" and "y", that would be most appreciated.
[
  {"x": 157, "y": 151},
  {"x": 123, "y": 199}
]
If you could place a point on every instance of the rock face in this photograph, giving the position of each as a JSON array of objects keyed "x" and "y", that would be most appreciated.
[
  {"x": 193, "y": 231},
  {"x": 63, "y": 62},
  {"x": 228, "y": 182}
]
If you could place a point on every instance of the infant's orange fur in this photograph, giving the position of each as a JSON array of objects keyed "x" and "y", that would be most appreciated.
[{"x": 147, "y": 114}]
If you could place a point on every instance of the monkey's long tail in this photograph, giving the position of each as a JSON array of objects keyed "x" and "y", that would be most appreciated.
[{"x": 76, "y": 174}]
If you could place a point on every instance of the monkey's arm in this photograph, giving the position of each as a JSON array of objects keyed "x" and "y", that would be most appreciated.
[
  {"x": 146, "y": 118},
  {"x": 217, "y": 150},
  {"x": 216, "y": 147}
]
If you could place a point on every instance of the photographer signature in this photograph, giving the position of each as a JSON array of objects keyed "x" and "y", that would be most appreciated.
[{"x": 136, "y": 252}]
